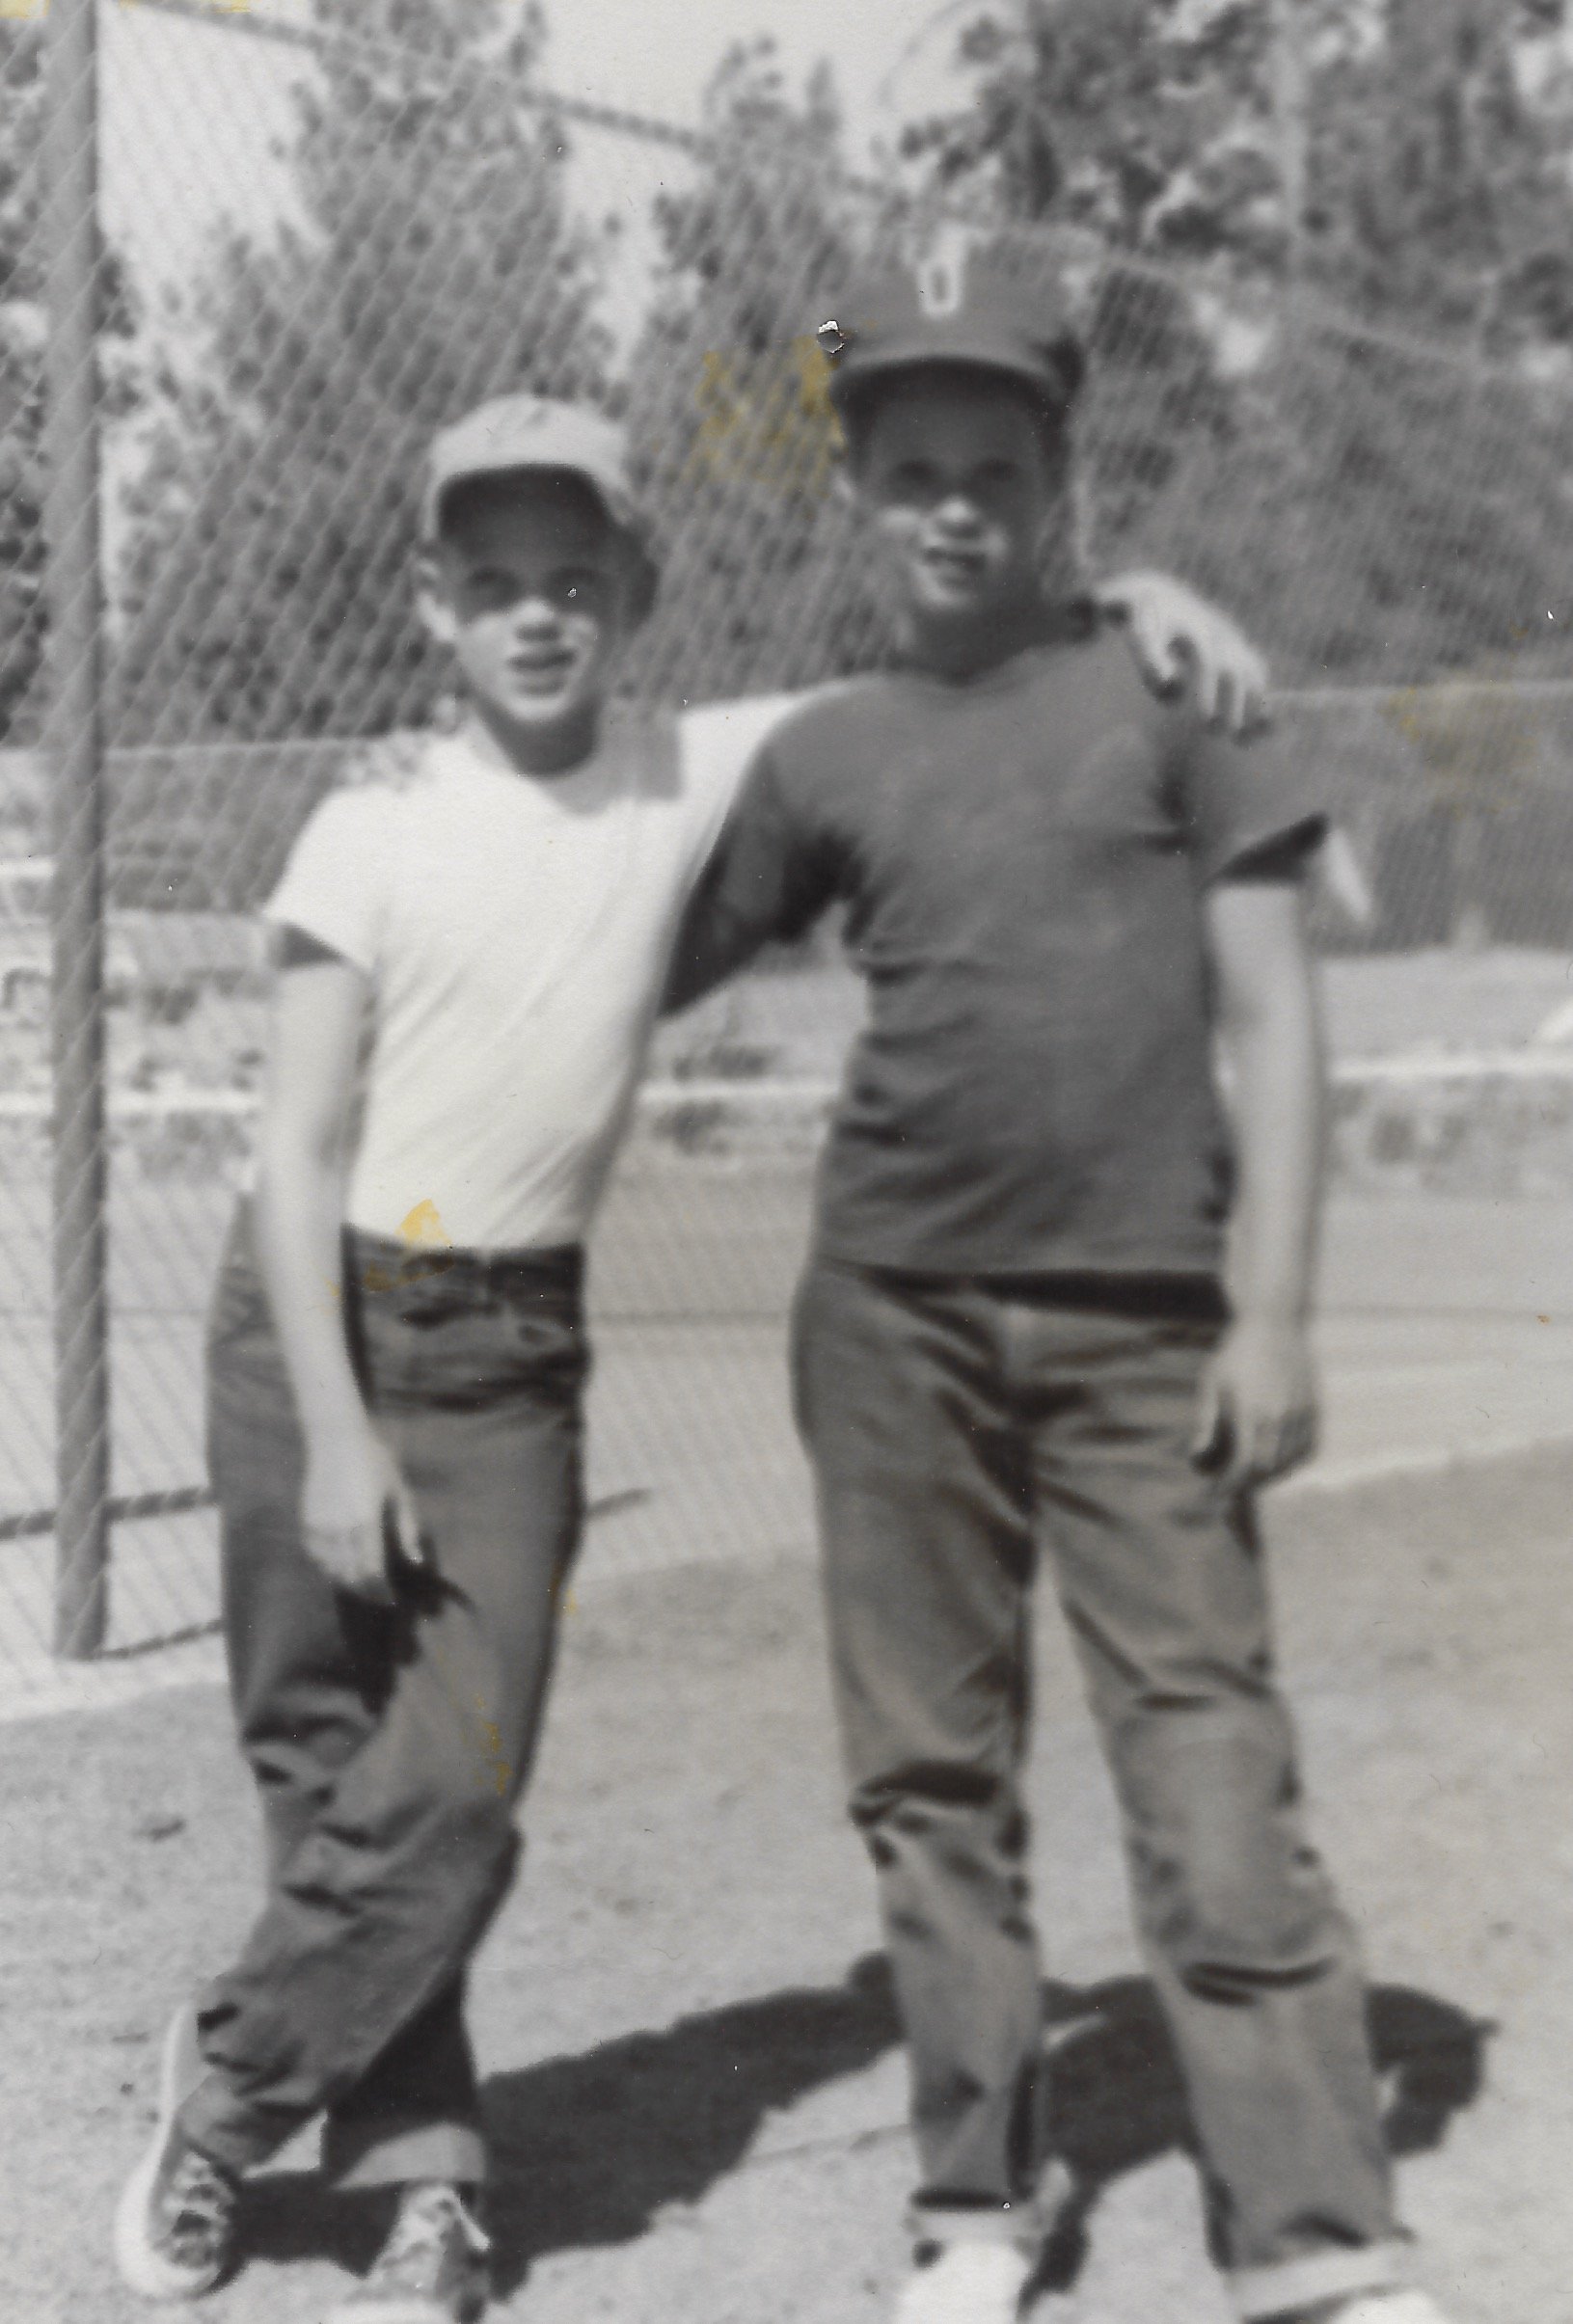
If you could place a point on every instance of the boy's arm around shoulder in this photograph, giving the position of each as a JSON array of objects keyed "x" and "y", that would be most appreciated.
[
  {"x": 1177, "y": 635},
  {"x": 767, "y": 880},
  {"x": 1259, "y": 1416}
]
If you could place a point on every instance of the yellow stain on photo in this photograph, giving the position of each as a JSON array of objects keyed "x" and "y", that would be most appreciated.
[
  {"x": 498, "y": 1769},
  {"x": 419, "y": 1230},
  {"x": 1473, "y": 739},
  {"x": 768, "y": 418},
  {"x": 422, "y": 1228}
]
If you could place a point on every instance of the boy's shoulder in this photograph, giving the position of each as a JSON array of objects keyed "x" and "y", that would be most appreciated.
[
  {"x": 390, "y": 764},
  {"x": 1091, "y": 663},
  {"x": 370, "y": 785},
  {"x": 814, "y": 728},
  {"x": 379, "y": 796}
]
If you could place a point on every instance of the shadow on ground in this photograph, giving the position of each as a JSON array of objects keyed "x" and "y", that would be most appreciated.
[
  {"x": 589, "y": 2150},
  {"x": 1118, "y": 2100}
]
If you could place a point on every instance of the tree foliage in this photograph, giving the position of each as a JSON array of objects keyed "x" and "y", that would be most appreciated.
[
  {"x": 1146, "y": 121},
  {"x": 1371, "y": 514},
  {"x": 727, "y": 395},
  {"x": 1372, "y": 508},
  {"x": 1440, "y": 190},
  {"x": 23, "y": 334},
  {"x": 21, "y": 381},
  {"x": 1437, "y": 136},
  {"x": 432, "y": 261}
]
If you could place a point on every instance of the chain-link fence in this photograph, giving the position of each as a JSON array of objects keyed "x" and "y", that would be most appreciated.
[{"x": 321, "y": 230}]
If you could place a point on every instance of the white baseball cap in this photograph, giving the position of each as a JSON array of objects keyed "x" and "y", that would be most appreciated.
[{"x": 516, "y": 433}]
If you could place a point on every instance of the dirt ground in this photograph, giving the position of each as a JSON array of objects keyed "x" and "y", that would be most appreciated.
[{"x": 692, "y": 2075}]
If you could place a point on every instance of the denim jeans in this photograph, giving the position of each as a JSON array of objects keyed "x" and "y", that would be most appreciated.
[
  {"x": 957, "y": 1427},
  {"x": 389, "y": 1747}
]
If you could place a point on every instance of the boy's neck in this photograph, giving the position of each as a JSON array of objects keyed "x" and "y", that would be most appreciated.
[
  {"x": 963, "y": 649},
  {"x": 541, "y": 751}
]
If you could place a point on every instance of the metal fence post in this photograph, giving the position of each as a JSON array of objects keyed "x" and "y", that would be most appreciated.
[{"x": 76, "y": 737}]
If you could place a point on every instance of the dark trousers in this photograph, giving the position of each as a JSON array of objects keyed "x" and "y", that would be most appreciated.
[
  {"x": 389, "y": 1747},
  {"x": 953, "y": 1426}
]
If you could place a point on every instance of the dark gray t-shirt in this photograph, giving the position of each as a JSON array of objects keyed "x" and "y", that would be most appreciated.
[{"x": 1024, "y": 858}]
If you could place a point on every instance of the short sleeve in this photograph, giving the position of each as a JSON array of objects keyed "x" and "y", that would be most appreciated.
[
  {"x": 1239, "y": 802},
  {"x": 335, "y": 882}
]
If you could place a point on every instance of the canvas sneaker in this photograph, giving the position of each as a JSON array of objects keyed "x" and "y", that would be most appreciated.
[
  {"x": 175, "y": 2224},
  {"x": 963, "y": 2282},
  {"x": 433, "y": 2269}
]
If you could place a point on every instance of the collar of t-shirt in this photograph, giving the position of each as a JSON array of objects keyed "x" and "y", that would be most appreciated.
[
  {"x": 471, "y": 757},
  {"x": 1065, "y": 621}
]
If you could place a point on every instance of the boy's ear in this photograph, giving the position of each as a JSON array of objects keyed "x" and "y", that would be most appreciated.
[{"x": 431, "y": 601}]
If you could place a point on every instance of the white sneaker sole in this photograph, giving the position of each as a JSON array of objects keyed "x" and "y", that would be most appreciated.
[
  {"x": 967, "y": 2283},
  {"x": 144, "y": 2268},
  {"x": 1401, "y": 2305}
]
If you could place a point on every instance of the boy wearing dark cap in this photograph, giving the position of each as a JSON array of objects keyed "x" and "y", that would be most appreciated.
[
  {"x": 1013, "y": 1338},
  {"x": 398, "y": 1351}
]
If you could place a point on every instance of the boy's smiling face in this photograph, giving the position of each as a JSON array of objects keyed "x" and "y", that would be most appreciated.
[
  {"x": 529, "y": 586},
  {"x": 962, "y": 485}
]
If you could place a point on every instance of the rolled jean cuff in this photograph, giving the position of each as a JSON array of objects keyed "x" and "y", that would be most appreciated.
[
  {"x": 392, "y": 2153},
  {"x": 1020, "y": 2224},
  {"x": 1287, "y": 2284}
]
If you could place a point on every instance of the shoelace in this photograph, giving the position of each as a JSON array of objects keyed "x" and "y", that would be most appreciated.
[
  {"x": 201, "y": 2202},
  {"x": 424, "y": 2223}
]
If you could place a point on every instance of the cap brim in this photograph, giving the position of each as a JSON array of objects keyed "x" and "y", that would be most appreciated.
[{"x": 964, "y": 347}]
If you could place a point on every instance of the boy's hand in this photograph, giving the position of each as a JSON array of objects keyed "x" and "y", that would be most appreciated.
[
  {"x": 1258, "y": 1418},
  {"x": 1177, "y": 635},
  {"x": 355, "y": 1505}
]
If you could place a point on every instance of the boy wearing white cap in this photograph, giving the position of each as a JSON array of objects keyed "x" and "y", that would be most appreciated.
[{"x": 398, "y": 1350}]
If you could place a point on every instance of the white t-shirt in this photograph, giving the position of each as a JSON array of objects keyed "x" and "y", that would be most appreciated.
[{"x": 516, "y": 931}]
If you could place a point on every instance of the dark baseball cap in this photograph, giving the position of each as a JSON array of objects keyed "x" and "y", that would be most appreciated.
[
  {"x": 513, "y": 434},
  {"x": 960, "y": 306}
]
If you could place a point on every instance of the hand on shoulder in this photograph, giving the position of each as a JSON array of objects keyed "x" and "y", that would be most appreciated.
[{"x": 1181, "y": 638}]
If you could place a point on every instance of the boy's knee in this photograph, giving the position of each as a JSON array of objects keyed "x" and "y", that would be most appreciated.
[
  {"x": 1236, "y": 1918},
  {"x": 446, "y": 1876},
  {"x": 1228, "y": 1887},
  {"x": 449, "y": 1826}
]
